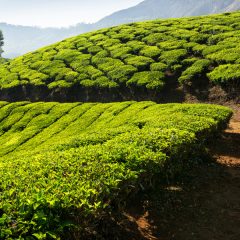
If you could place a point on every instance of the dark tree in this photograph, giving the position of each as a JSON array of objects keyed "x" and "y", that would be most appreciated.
[{"x": 1, "y": 43}]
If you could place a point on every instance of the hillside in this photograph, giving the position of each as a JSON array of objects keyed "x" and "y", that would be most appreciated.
[
  {"x": 65, "y": 166},
  {"x": 20, "y": 39},
  {"x": 140, "y": 61}
]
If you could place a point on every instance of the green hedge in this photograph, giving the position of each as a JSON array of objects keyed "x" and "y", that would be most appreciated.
[{"x": 62, "y": 166}]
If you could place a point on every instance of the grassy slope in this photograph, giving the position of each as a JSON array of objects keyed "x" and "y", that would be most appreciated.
[
  {"x": 71, "y": 161},
  {"x": 134, "y": 56}
]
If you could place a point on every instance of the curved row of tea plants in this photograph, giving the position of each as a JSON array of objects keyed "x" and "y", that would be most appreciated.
[
  {"x": 135, "y": 55},
  {"x": 66, "y": 164}
]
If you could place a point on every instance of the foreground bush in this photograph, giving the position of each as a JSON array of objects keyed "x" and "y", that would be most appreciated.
[{"x": 63, "y": 166}]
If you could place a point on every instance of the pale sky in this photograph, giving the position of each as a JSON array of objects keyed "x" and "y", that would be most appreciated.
[{"x": 59, "y": 13}]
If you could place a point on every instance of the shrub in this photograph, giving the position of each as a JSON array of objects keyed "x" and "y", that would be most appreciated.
[
  {"x": 104, "y": 82},
  {"x": 189, "y": 61},
  {"x": 14, "y": 83},
  {"x": 200, "y": 38},
  {"x": 102, "y": 54},
  {"x": 140, "y": 62},
  {"x": 212, "y": 49},
  {"x": 120, "y": 51},
  {"x": 155, "y": 38},
  {"x": 122, "y": 73},
  {"x": 63, "y": 72},
  {"x": 151, "y": 80},
  {"x": 150, "y": 51},
  {"x": 225, "y": 55},
  {"x": 98, "y": 37},
  {"x": 227, "y": 73},
  {"x": 88, "y": 83},
  {"x": 136, "y": 46},
  {"x": 49, "y": 55},
  {"x": 123, "y": 37},
  {"x": 182, "y": 34},
  {"x": 173, "y": 57},
  {"x": 94, "y": 49},
  {"x": 198, "y": 49},
  {"x": 67, "y": 55},
  {"x": 60, "y": 84},
  {"x": 162, "y": 67},
  {"x": 109, "y": 64},
  {"x": 81, "y": 62},
  {"x": 93, "y": 72},
  {"x": 109, "y": 42},
  {"x": 171, "y": 44},
  {"x": 50, "y": 68},
  {"x": 9, "y": 78},
  {"x": 198, "y": 68}
]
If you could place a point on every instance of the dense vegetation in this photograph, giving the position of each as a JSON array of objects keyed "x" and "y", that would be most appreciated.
[
  {"x": 65, "y": 164},
  {"x": 3, "y": 60},
  {"x": 130, "y": 58}
]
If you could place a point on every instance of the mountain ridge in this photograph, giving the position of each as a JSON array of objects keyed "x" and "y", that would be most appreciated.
[{"x": 151, "y": 9}]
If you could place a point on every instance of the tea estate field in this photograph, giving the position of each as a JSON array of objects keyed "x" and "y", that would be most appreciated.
[
  {"x": 134, "y": 62},
  {"x": 64, "y": 165}
]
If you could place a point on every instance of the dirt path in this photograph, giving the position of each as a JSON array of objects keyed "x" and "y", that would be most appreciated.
[{"x": 203, "y": 205}]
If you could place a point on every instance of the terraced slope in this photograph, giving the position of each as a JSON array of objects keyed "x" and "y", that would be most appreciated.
[
  {"x": 65, "y": 164},
  {"x": 134, "y": 61}
]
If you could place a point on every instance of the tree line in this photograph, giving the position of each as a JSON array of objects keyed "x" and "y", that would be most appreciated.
[{"x": 1, "y": 43}]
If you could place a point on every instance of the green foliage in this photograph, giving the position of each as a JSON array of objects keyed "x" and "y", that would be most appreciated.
[
  {"x": 225, "y": 73},
  {"x": 155, "y": 38},
  {"x": 152, "y": 80},
  {"x": 173, "y": 56},
  {"x": 171, "y": 44},
  {"x": 64, "y": 164},
  {"x": 150, "y": 51},
  {"x": 3, "y": 60},
  {"x": 140, "y": 62},
  {"x": 225, "y": 56},
  {"x": 158, "y": 67},
  {"x": 197, "y": 70},
  {"x": 104, "y": 82},
  {"x": 59, "y": 84},
  {"x": 122, "y": 73},
  {"x": 120, "y": 51},
  {"x": 117, "y": 53}
]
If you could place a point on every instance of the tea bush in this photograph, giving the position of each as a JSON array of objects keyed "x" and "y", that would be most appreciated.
[{"x": 62, "y": 166}]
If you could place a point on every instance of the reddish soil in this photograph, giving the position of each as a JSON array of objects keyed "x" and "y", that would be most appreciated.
[{"x": 203, "y": 205}]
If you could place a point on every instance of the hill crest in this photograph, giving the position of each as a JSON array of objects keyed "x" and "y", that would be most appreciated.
[{"x": 151, "y": 60}]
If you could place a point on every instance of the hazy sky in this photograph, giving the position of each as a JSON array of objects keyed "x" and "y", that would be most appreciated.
[{"x": 58, "y": 13}]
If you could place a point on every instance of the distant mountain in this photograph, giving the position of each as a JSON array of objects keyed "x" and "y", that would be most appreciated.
[
  {"x": 19, "y": 39},
  {"x": 152, "y": 9}
]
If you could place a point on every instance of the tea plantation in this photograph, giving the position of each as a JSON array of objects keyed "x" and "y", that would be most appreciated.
[
  {"x": 64, "y": 165},
  {"x": 121, "y": 61}
]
